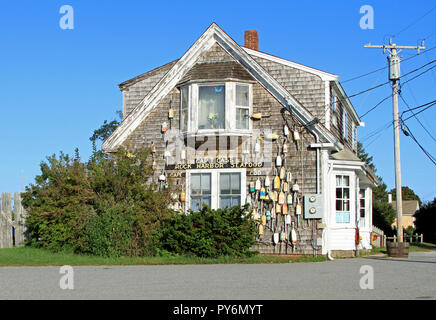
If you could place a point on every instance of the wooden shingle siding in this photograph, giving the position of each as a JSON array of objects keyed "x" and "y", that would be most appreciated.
[
  {"x": 301, "y": 160},
  {"x": 307, "y": 88},
  {"x": 136, "y": 89}
]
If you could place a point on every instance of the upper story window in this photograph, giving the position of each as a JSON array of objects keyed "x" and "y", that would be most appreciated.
[
  {"x": 242, "y": 106},
  {"x": 215, "y": 107},
  {"x": 345, "y": 124}
]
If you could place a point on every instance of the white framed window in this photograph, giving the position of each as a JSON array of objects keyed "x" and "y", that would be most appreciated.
[
  {"x": 343, "y": 199},
  {"x": 218, "y": 188},
  {"x": 362, "y": 203},
  {"x": 354, "y": 136},
  {"x": 184, "y": 108},
  {"x": 200, "y": 190},
  {"x": 215, "y": 107},
  {"x": 242, "y": 106},
  {"x": 345, "y": 125},
  {"x": 333, "y": 107}
]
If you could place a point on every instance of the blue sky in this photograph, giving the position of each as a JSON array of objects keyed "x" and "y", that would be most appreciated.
[{"x": 57, "y": 86}]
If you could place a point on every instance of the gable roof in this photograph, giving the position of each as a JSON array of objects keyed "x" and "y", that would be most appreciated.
[
  {"x": 409, "y": 206},
  {"x": 213, "y": 34}
]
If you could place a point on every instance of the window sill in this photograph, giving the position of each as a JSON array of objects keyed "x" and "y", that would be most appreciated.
[{"x": 217, "y": 132}]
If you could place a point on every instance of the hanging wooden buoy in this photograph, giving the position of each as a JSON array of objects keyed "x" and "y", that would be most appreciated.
[
  {"x": 298, "y": 209},
  {"x": 285, "y": 187},
  {"x": 267, "y": 182},
  {"x": 277, "y": 182},
  {"x": 252, "y": 187},
  {"x": 289, "y": 176},
  {"x": 272, "y": 136},
  {"x": 268, "y": 216},
  {"x": 262, "y": 193},
  {"x": 257, "y": 147},
  {"x": 256, "y": 116},
  {"x": 258, "y": 185},
  {"x": 293, "y": 236},
  {"x": 170, "y": 113},
  {"x": 281, "y": 198},
  {"x": 164, "y": 127},
  {"x": 278, "y": 161},
  {"x": 288, "y": 219},
  {"x": 285, "y": 130},
  {"x": 285, "y": 208},
  {"x": 153, "y": 148},
  {"x": 183, "y": 154},
  {"x": 289, "y": 199},
  {"x": 278, "y": 208},
  {"x": 162, "y": 177},
  {"x": 296, "y": 135},
  {"x": 263, "y": 219},
  {"x": 295, "y": 187},
  {"x": 260, "y": 229},
  {"x": 182, "y": 197},
  {"x": 276, "y": 238},
  {"x": 285, "y": 148}
]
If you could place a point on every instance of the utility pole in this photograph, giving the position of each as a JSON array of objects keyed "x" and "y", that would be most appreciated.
[{"x": 394, "y": 76}]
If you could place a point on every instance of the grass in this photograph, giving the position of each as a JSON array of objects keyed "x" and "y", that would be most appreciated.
[{"x": 41, "y": 257}]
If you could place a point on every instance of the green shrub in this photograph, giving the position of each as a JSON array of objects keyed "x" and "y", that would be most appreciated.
[
  {"x": 210, "y": 233},
  {"x": 104, "y": 206}
]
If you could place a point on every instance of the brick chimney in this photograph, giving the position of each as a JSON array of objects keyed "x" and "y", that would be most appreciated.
[{"x": 251, "y": 40}]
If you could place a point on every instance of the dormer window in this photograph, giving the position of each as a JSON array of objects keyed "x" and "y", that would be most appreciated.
[{"x": 211, "y": 108}]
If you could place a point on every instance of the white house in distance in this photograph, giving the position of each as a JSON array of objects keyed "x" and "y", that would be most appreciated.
[{"x": 232, "y": 125}]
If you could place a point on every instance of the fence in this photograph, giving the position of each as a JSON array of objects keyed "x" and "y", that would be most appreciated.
[
  {"x": 12, "y": 221},
  {"x": 379, "y": 238},
  {"x": 409, "y": 238}
]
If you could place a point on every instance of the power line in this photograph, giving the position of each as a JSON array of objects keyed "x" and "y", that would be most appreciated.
[
  {"x": 414, "y": 22},
  {"x": 378, "y": 104},
  {"x": 429, "y": 105},
  {"x": 428, "y": 132},
  {"x": 385, "y": 67},
  {"x": 432, "y": 158}
]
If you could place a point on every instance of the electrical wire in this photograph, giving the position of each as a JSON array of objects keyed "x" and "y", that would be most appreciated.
[
  {"x": 428, "y": 132},
  {"x": 414, "y": 22},
  {"x": 432, "y": 158}
]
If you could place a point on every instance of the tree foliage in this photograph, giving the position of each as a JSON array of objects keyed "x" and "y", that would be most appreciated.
[
  {"x": 426, "y": 221},
  {"x": 102, "y": 207}
]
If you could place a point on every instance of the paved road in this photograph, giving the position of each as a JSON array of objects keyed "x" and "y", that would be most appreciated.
[{"x": 412, "y": 278}]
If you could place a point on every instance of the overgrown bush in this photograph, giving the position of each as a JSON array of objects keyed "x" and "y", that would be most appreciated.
[
  {"x": 104, "y": 206},
  {"x": 210, "y": 233}
]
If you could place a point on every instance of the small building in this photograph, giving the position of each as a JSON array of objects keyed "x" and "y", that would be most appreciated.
[
  {"x": 410, "y": 207},
  {"x": 231, "y": 125}
]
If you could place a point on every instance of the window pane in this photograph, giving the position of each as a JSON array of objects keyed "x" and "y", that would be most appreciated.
[
  {"x": 236, "y": 183},
  {"x": 225, "y": 202},
  {"x": 195, "y": 184},
  {"x": 362, "y": 213},
  {"x": 236, "y": 201},
  {"x": 211, "y": 107},
  {"x": 195, "y": 204},
  {"x": 225, "y": 183},
  {"x": 346, "y": 193},
  {"x": 339, "y": 205},
  {"x": 338, "y": 193},
  {"x": 346, "y": 217},
  {"x": 346, "y": 206},
  {"x": 242, "y": 118},
  {"x": 206, "y": 200},
  {"x": 346, "y": 181},
  {"x": 184, "y": 108},
  {"x": 338, "y": 181},
  {"x": 362, "y": 193},
  {"x": 242, "y": 96},
  {"x": 205, "y": 183},
  {"x": 339, "y": 217}
]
